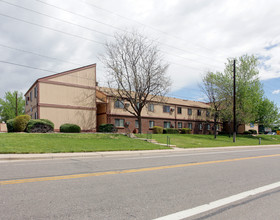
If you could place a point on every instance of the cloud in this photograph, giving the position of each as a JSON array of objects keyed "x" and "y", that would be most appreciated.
[{"x": 275, "y": 92}]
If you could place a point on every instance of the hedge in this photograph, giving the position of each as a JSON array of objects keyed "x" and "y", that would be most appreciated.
[
  {"x": 186, "y": 131},
  {"x": 106, "y": 128},
  {"x": 157, "y": 130},
  {"x": 172, "y": 131},
  {"x": 70, "y": 128},
  {"x": 247, "y": 132},
  {"x": 21, "y": 122},
  {"x": 40, "y": 126},
  {"x": 253, "y": 131},
  {"x": 10, "y": 125}
]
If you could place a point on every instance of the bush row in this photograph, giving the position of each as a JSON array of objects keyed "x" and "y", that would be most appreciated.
[
  {"x": 160, "y": 130},
  {"x": 70, "y": 128}
]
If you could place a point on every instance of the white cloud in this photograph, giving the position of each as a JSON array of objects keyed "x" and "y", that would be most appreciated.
[{"x": 276, "y": 92}]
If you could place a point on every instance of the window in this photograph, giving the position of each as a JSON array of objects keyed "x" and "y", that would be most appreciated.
[
  {"x": 31, "y": 96},
  {"x": 31, "y": 109},
  {"x": 119, "y": 122},
  {"x": 179, "y": 110},
  {"x": 36, "y": 115},
  {"x": 180, "y": 125},
  {"x": 198, "y": 112},
  {"x": 189, "y": 111},
  {"x": 36, "y": 92},
  {"x": 167, "y": 124},
  {"x": 151, "y": 124},
  {"x": 208, "y": 127},
  {"x": 119, "y": 104},
  {"x": 166, "y": 108},
  {"x": 136, "y": 124},
  {"x": 207, "y": 113},
  {"x": 217, "y": 127},
  {"x": 26, "y": 100},
  {"x": 151, "y": 107},
  {"x": 31, "y": 116},
  {"x": 190, "y": 125},
  {"x": 200, "y": 126}
]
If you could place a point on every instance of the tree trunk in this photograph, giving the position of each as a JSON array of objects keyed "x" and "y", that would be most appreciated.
[
  {"x": 215, "y": 126},
  {"x": 139, "y": 124}
]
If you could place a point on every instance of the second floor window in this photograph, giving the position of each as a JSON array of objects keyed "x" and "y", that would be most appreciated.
[
  {"x": 179, "y": 110},
  {"x": 119, "y": 104},
  {"x": 151, "y": 107},
  {"x": 207, "y": 113},
  {"x": 199, "y": 112},
  {"x": 189, "y": 111},
  {"x": 35, "y": 91},
  {"x": 166, "y": 108},
  {"x": 31, "y": 96}
]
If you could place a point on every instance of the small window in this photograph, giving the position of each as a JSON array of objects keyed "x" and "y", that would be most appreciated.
[
  {"x": 217, "y": 127},
  {"x": 26, "y": 101},
  {"x": 166, "y": 108},
  {"x": 207, "y": 113},
  {"x": 167, "y": 124},
  {"x": 190, "y": 125},
  {"x": 31, "y": 109},
  {"x": 31, "y": 96},
  {"x": 36, "y": 115},
  {"x": 119, "y": 104},
  {"x": 151, "y": 124},
  {"x": 36, "y": 92},
  {"x": 136, "y": 124},
  {"x": 200, "y": 126},
  {"x": 119, "y": 122},
  {"x": 189, "y": 111},
  {"x": 198, "y": 112},
  {"x": 151, "y": 107},
  {"x": 208, "y": 127},
  {"x": 179, "y": 110},
  {"x": 180, "y": 125}
]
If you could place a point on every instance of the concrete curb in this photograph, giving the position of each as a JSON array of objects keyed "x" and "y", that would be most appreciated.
[{"x": 7, "y": 157}]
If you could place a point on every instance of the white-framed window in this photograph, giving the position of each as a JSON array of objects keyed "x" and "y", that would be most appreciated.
[
  {"x": 35, "y": 91},
  {"x": 30, "y": 96},
  {"x": 179, "y": 110},
  {"x": 200, "y": 126},
  {"x": 36, "y": 115},
  {"x": 31, "y": 109},
  {"x": 190, "y": 125},
  {"x": 151, "y": 107},
  {"x": 189, "y": 111},
  {"x": 119, "y": 104},
  {"x": 119, "y": 122},
  {"x": 151, "y": 124},
  {"x": 208, "y": 127},
  {"x": 180, "y": 124},
  {"x": 167, "y": 124},
  {"x": 136, "y": 124},
  {"x": 198, "y": 112}
]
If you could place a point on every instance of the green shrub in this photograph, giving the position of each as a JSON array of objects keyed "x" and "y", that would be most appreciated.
[
  {"x": 70, "y": 128},
  {"x": 157, "y": 130},
  {"x": 10, "y": 125},
  {"x": 21, "y": 122},
  {"x": 253, "y": 131},
  {"x": 172, "y": 131},
  {"x": 106, "y": 128},
  {"x": 39, "y": 126},
  {"x": 186, "y": 131},
  {"x": 247, "y": 132}
]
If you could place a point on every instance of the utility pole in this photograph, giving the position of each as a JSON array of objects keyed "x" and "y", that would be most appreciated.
[
  {"x": 16, "y": 104},
  {"x": 234, "y": 103}
]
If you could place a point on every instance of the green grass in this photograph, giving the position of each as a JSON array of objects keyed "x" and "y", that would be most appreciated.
[
  {"x": 57, "y": 143},
  {"x": 196, "y": 140}
]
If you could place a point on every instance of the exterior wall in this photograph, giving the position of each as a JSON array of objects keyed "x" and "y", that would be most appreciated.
[
  {"x": 31, "y": 107},
  {"x": 68, "y": 97},
  {"x": 3, "y": 127},
  {"x": 241, "y": 128}
]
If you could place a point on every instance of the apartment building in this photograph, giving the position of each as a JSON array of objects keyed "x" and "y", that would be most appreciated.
[
  {"x": 67, "y": 97},
  {"x": 167, "y": 113}
]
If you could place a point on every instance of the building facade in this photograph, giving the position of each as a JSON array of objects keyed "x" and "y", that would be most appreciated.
[
  {"x": 168, "y": 113},
  {"x": 67, "y": 97}
]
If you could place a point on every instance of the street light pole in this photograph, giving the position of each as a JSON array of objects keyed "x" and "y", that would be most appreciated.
[{"x": 234, "y": 103}]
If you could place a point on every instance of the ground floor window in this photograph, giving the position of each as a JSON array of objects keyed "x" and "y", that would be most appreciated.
[
  {"x": 119, "y": 122},
  {"x": 151, "y": 124},
  {"x": 180, "y": 125},
  {"x": 136, "y": 124},
  {"x": 208, "y": 127},
  {"x": 167, "y": 124},
  {"x": 200, "y": 126},
  {"x": 36, "y": 115},
  {"x": 190, "y": 125}
]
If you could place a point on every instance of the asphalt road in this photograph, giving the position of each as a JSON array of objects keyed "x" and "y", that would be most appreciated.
[{"x": 144, "y": 187}]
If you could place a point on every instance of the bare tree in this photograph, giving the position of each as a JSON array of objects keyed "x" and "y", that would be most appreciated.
[
  {"x": 136, "y": 71},
  {"x": 211, "y": 90}
]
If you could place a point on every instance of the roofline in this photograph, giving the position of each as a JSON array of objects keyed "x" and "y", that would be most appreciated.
[{"x": 59, "y": 74}]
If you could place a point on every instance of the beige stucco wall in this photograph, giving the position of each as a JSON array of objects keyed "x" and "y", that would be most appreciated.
[
  {"x": 86, "y": 119},
  {"x": 248, "y": 127},
  {"x": 3, "y": 127}
]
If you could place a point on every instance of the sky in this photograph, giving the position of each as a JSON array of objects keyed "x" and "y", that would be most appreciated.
[{"x": 42, "y": 37}]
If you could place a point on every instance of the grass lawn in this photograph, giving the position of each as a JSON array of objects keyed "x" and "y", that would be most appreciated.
[
  {"x": 196, "y": 140},
  {"x": 57, "y": 142}
]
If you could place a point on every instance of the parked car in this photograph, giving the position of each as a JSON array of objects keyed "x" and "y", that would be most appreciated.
[{"x": 271, "y": 133}]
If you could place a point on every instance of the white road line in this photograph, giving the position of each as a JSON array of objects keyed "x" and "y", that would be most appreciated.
[{"x": 218, "y": 203}]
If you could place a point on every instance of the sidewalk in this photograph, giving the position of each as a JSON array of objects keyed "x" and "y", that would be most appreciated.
[{"x": 104, "y": 154}]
